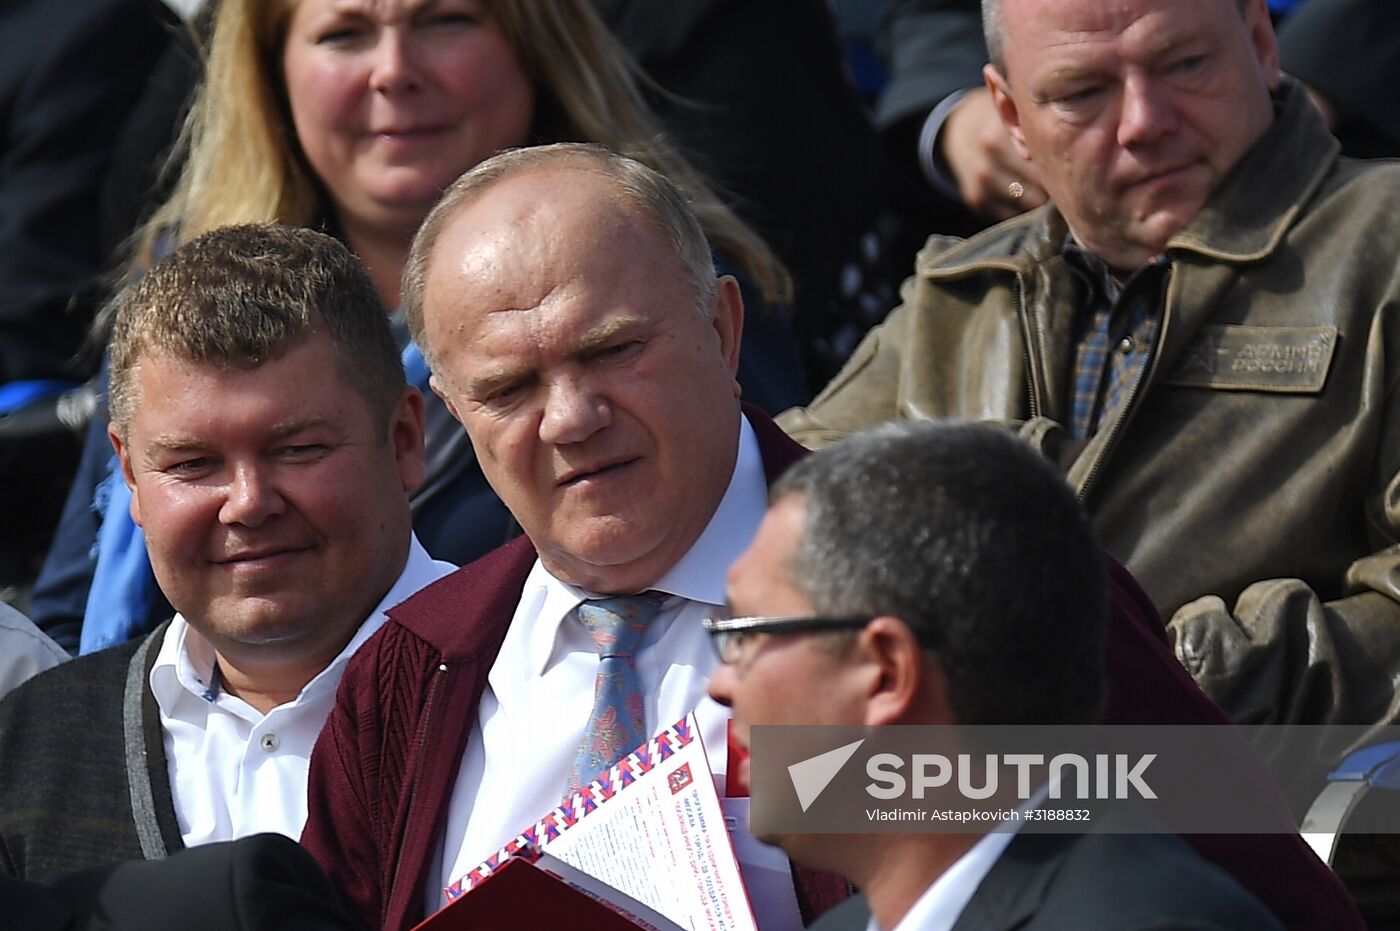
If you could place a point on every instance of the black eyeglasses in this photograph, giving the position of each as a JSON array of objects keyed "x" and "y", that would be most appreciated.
[{"x": 728, "y": 634}]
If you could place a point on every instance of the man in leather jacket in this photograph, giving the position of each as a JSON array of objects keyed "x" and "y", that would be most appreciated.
[{"x": 1203, "y": 328}]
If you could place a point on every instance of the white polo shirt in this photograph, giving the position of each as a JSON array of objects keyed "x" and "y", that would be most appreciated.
[{"x": 233, "y": 770}]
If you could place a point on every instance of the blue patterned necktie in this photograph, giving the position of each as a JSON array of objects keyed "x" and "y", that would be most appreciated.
[{"x": 617, "y": 724}]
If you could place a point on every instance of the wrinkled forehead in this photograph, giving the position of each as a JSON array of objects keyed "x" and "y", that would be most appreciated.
[
  {"x": 571, "y": 207},
  {"x": 528, "y": 236},
  {"x": 1034, "y": 30}
]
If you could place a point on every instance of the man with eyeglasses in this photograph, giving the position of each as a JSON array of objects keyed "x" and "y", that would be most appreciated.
[{"x": 943, "y": 573}]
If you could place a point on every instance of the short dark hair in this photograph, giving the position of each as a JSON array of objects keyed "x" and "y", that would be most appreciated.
[
  {"x": 974, "y": 540},
  {"x": 241, "y": 295},
  {"x": 651, "y": 195}
]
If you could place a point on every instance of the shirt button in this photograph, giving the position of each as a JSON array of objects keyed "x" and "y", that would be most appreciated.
[
  {"x": 1125, "y": 345},
  {"x": 269, "y": 742}
]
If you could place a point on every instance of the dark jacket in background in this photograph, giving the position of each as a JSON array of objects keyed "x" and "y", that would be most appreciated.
[
  {"x": 69, "y": 76},
  {"x": 766, "y": 109},
  {"x": 1349, "y": 50}
]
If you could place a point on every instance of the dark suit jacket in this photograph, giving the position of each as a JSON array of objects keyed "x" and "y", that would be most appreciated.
[
  {"x": 934, "y": 47},
  {"x": 1052, "y": 882},
  {"x": 768, "y": 112},
  {"x": 260, "y": 883},
  {"x": 1350, "y": 51}
]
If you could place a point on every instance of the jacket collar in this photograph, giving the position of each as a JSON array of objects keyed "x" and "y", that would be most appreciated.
[
  {"x": 1017, "y": 884},
  {"x": 1260, "y": 200}
]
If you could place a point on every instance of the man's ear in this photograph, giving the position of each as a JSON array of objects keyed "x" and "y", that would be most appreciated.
[
  {"x": 907, "y": 685},
  {"x": 1262, "y": 40},
  {"x": 406, "y": 433},
  {"x": 727, "y": 316},
  {"x": 1006, "y": 107},
  {"x": 128, "y": 476}
]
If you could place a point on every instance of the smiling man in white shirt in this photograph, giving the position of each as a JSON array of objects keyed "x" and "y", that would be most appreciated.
[
  {"x": 261, "y": 419},
  {"x": 942, "y": 573}
]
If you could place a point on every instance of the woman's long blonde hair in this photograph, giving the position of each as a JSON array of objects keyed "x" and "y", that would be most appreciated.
[{"x": 241, "y": 162}]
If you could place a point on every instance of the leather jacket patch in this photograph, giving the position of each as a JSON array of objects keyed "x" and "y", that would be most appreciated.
[{"x": 1284, "y": 360}]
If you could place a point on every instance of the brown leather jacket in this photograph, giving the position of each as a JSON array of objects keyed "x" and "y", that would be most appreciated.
[{"x": 1250, "y": 478}]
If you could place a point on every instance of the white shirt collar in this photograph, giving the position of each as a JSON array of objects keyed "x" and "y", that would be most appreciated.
[
  {"x": 233, "y": 770},
  {"x": 942, "y": 903},
  {"x": 693, "y": 578},
  {"x": 185, "y": 660}
]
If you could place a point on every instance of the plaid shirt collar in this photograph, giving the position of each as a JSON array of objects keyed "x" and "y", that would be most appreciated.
[{"x": 1115, "y": 333}]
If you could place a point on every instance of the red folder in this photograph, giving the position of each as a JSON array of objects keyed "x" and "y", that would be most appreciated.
[{"x": 521, "y": 895}]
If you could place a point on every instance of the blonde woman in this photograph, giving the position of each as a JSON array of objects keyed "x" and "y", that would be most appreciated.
[{"x": 352, "y": 117}]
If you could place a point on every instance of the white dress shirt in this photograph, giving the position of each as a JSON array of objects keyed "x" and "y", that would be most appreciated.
[
  {"x": 24, "y": 649},
  {"x": 942, "y": 903},
  {"x": 233, "y": 770},
  {"x": 539, "y": 692}
]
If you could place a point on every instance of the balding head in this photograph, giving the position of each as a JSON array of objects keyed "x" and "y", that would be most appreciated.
[
  {"x": 648, "y": 193},
  {"x": 564, "y": 335}
]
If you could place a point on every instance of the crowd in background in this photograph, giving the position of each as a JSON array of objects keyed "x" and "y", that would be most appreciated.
[
  {"x": 819, "y": 145},
  {"x": 814, "y": 128}
]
